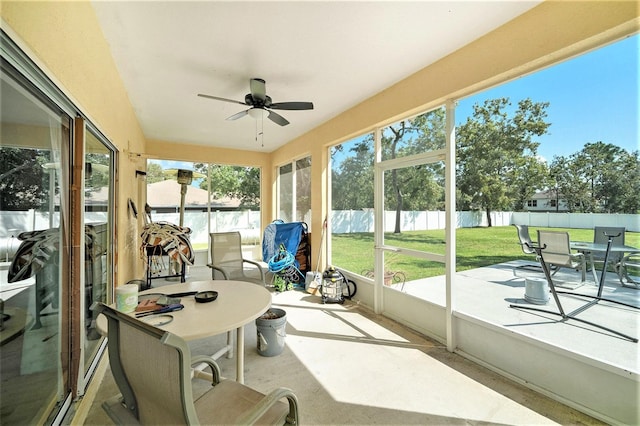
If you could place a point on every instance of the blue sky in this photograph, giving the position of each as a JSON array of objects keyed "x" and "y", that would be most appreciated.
[{"x": 593, "y": 97}]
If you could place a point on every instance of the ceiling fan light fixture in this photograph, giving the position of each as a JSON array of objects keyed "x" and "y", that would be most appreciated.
[
  {"x": 258, "y": 113},
  {"x": 261, "y": 105}
]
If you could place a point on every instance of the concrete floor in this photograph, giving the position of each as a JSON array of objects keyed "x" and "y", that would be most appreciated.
[{"x": 350, "y": 366}]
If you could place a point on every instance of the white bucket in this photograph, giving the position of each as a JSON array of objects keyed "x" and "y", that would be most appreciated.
[
  {"x": 271, "y": 332},
  {"x": 127, "y": 298},
  {"x": 536, "y": 291}
]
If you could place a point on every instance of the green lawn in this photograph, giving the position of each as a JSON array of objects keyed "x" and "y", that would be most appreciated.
[{"x": 475, "y": 247}]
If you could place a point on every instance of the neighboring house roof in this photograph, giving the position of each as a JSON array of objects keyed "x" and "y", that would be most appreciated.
[
  {"x": 545, "y": 195},
  {"x": 167, "y": 193}
]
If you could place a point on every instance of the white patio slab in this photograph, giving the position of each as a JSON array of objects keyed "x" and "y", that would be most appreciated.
[{"x": 487, "y": 293}]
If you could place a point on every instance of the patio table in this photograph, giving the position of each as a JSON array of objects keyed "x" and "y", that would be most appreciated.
[
  {"x": 573, "y": 315},
  {"x": 238, "y": 304},
  {"x": 590, "y": 248}
]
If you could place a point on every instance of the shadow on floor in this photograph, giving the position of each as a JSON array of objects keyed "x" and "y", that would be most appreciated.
[{"x": 348, "y": 365}]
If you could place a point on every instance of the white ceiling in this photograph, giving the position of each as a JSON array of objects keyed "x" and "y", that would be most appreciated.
[{"x": 333, "y": 53}]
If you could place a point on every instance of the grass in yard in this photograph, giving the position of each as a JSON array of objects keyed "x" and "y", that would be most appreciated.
[{"x": 475, "y": 247}]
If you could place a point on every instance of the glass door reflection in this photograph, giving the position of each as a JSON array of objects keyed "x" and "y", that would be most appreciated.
[
  {"x": 98, "y": 190},
  {"x": 34, "y": 165}
]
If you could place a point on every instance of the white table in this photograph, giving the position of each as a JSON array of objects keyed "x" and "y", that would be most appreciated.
[
  {"x": 238, "y": 303},
  {"x": 590, "y": 248},
  {"x": 597, "y": 298}
]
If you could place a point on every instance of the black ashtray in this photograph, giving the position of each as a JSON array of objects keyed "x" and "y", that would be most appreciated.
[{"x": 206, "y": 296}]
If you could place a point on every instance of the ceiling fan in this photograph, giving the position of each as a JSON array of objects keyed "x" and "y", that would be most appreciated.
[{"x": 261, "y": 104}]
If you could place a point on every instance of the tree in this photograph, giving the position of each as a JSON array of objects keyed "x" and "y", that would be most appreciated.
[
  {"x": 624, "y": 184},
  {"x": 238, "y": 182},
  {"x": 496, "y": 150},
  {"x": 419, "y": 187},
  {"x": 601, "y": 178},
  {"x": 533, "y": 174},
  {"x": 303, "y": 187},
  {"x": 100, "y": 172},
  {"x": 409, "y": 188},
  {"x": 352, "y": 180},
  {"x": 24, "y": 184},
  {"x": 154, "y": 173}
]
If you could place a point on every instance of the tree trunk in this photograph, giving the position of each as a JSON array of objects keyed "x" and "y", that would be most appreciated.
[
  {"x": 396, "y": 230},
  {"x": 488, "y": 210}
]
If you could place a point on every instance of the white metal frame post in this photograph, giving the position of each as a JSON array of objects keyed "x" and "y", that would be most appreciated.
[
  {"x": 378, "y": 208},
  {"x": 450, "y": 231}
]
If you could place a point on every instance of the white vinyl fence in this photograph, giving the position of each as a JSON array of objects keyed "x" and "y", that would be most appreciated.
[
  {"x": 343, "y": 222},
  {"x": 577, "y": 220},
  {"x": 348, "y": 221}
]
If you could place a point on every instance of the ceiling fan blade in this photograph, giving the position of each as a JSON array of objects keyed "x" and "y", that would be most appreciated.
[
  {"x": 292, "y": 105},
  {"x": 258, "y": 88},
  {"x": 238, "y": 115},
  {"x": 221, "y": 99},
  {"x": 277, "y": 118}
]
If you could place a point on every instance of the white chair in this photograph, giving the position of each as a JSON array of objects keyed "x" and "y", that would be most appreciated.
[
  {"x": 556, "y": 252},
  {"x": 152, "y": 369},
  {"x": 227, "y": 262}
]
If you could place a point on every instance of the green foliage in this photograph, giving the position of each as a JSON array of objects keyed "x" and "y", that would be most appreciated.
[
  {"x": 412, "y": 188},
  {"x": 24, "y": 184},
  {"x": 303, "y": 185},
  {"x": 238, "y": 182},
  {"x": 497, "y": 165},
  {"x": 352, "y": 182},
  {"x": 100, "y": 172},
  {"x": 419, "y": 187},
  {"x": 154, "y": 173},
  {"x": 601, "y": 178}
]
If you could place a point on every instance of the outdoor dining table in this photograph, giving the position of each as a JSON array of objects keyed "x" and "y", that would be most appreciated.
[
  {"x": 595, "y": 299},
  {"x": 237, "y": 304},
  {"x": 591, "y": 248}
]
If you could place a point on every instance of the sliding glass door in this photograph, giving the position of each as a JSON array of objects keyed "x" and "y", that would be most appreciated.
[
  {"x": 98, "y": 207},
  {"x": 56, "y": 245},
  {"x": 34, "y": 239}
]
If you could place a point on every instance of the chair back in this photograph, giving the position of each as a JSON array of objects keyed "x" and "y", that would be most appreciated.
[
  {"x": 600, "y": 236},
  {"x": 151, "y": 368},
  {"x": 226, "y": 253},
  {"x": 556, "y": 249},
  {"x": 525, "y": 239}
]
